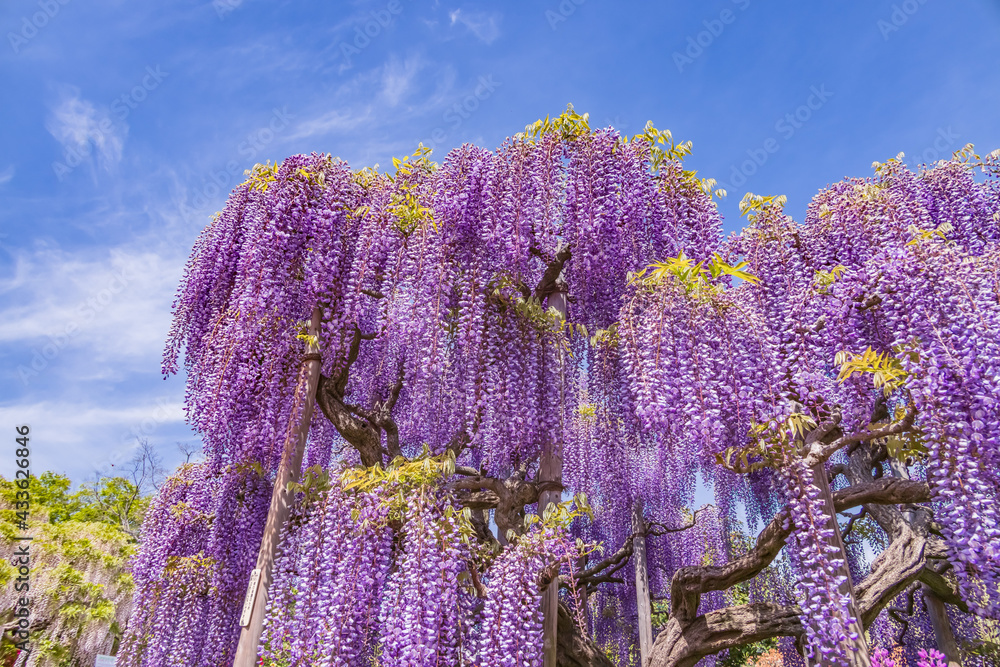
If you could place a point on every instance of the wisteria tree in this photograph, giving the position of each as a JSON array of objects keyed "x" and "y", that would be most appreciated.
[{"x": 528, "y": 363}]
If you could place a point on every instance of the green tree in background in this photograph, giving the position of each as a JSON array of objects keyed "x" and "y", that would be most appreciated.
[{"x": 82, "y": 543}]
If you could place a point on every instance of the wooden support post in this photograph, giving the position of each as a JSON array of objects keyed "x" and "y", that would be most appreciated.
[
  {"x": 642, "y": 585},
  {"x": 281, "y": 501},
  {"x": 857, "y": 650},
  {"x": 942, "y": 628},
  {"x": 551, "y": 472},
  {"x": 550, "y": 476},
  {"x": 940, "y": 622}
]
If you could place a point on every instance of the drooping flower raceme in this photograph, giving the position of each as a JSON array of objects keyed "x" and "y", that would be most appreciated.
[{"x": 199, "y": 542}]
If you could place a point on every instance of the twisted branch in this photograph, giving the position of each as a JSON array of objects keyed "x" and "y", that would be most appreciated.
[{"x": 690, "y": 583}]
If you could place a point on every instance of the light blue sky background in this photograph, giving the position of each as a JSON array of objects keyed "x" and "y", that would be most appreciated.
[{"x": 125, "y": 124}]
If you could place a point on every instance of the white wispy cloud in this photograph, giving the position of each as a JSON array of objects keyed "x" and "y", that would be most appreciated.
[
  {"x": 331, "y": 122},
  {"x": 85, "y": 131},
  {"x": 484, "y": 25},
  {"x": 6, "y": 175},
  {"x": 90, "y": 310},
  {"x": 398, "y": 90},
  {"x": 84, "y": 332},
  {"x": 397, "y": 78},
  {"x": 72, "y": 436}
]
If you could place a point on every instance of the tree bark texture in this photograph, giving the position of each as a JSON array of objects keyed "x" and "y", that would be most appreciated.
[
  {"x": 574, "y": 649},
  {"x": 688, "y": 637},
  {"x": 645, "y": 611},
  {"x": 940, "y": 622}
]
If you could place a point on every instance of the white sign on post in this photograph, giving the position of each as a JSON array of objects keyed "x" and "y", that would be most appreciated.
[
  {"x": 251, "y": 595},
  {"x": 105, "y": 661}
]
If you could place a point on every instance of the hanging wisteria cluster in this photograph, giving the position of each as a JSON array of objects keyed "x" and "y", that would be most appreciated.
[
  {"x": 329, "y": 579},
  {"x": 363, "y": 575},
  {"x": 892, "y": 278},
  {"x": 926, "y": 658},
  {"x": 751, "y": 364},
  {"x": 199, "y": 542},
  {"x": 451, "y": 260}
]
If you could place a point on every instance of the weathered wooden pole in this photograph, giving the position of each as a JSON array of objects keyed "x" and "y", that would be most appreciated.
[
  {"x": 940, "y": 622},
  {"x": 252, "y": 619},
  {"x": 642, "y": 585},
  {"x": 942, "y": 627},
  {"x": 857, "y": 649},
  {"x": 550, "y": 478}
]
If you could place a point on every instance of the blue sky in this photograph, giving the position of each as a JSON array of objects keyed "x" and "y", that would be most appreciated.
[{"x": 125, "y": 124}]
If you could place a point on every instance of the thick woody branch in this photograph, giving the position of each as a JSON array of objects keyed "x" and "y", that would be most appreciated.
[
  {"x": 477, "y": 482},
  {"x": 683, "y": 645},
  {"x": 360, "y": 433},
  {"x": 684, "y": 642},
  {"x": 382, "y": 417},
  {"x": 480, "y": 521},
  {"x": 549, "y": 282},
  {"x": 548, "y": 573},
  {"x": 820, "y": 451},
  {"x": 479, "y": 500},
  {"x": 885, "y": 491},
  {"x": 606, "y": 577},
  {"x": 340, "y": 382},
  {"x": 819, "y": 435},
  {"x": 614, "y": 562},
  {"x": 942, "y": 588},
  {"x": 598, "y": 572},
  {"x": 360, "y": 427},
  {"x": 852, "y": 519},
  {"x": 689, "y": 583},
  {"x": 507, "y": 496},
  {"x": 892, "y": 572},
  {"x": 394, "y": 392},
  {"x": 575, "y": 649},
  {"x": 859, "y": 472}
]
